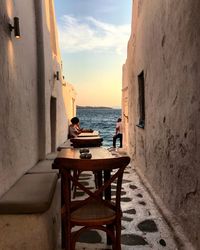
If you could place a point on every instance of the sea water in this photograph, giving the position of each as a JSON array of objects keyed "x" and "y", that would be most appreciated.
[{"x": 102, "y": 120}]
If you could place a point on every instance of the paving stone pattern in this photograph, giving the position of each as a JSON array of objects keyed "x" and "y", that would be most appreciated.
[{"x": 143, "y": 227}]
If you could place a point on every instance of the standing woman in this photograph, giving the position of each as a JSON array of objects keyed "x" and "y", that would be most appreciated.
[{"x": 118, "y": 133}]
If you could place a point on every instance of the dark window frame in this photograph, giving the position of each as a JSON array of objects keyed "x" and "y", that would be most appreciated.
[{"x": 141, "y": 100}]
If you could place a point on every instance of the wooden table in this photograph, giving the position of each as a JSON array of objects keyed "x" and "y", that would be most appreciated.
[
  {"x": 86, "y": 141},
  {"x": 65, "y": 157},
  {"x": 89, "y": 134},
  {"x": 73, "y": 153}
]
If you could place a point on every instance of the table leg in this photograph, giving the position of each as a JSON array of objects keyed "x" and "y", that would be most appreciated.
[{"x": 98, "y": 178}]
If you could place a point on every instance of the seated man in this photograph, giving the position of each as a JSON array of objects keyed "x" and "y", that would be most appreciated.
[
  {"x": 74, "y": 128},
  {"x": 118, "y": 133}
]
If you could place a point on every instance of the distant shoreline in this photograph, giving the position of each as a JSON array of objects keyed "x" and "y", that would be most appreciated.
[{"x": 92, "y": 107}]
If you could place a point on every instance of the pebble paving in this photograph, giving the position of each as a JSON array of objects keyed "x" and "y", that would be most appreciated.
[{"x": 143, "y": 227}]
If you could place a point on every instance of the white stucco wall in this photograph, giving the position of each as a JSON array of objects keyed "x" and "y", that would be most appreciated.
[
  {"x": 27, "y": 68},
  {"x": 125, "y": 107},
  {"x": 18, "y": 95},
  {"x": 165, "y": 45},
  {"x": 53, "y": 87}
]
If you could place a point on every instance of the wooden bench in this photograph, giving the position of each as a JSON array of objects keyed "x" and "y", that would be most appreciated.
[
  {"x": 43, "y": 167},
  {"x": 30, "y": 211},
  {"x": 66, "y": 144}
]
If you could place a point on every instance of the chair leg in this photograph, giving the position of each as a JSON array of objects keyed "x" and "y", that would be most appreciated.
[
  {"x": 118, "y": 235},
  {"x": 68, "y": 245},
  {"x": 73, "y": 244},
  {"x": 110, "y": 228},
  {"x": 63, "y": 239},
  {"x": 66, "y": 198}
]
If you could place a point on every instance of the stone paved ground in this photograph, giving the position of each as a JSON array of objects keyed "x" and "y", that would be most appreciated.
[{"x": 143, "y": 226}]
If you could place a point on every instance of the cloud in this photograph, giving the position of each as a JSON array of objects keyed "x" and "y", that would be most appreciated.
[{"x": 90, "y": 34}]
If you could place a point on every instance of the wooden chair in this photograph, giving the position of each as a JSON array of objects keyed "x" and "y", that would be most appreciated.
[{"x": 97, "y": 211}]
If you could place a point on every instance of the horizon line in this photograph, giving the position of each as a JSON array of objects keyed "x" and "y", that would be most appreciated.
[{"x": 102, "y": 106}]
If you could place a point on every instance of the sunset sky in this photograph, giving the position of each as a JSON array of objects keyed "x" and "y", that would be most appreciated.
[{"x": 93, "y": 36}]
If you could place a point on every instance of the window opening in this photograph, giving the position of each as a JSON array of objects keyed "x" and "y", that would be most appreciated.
[{"x": 141, "y": 95}]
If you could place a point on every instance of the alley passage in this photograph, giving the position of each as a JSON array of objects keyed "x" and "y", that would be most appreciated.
[{"x": 143, "y": 227}]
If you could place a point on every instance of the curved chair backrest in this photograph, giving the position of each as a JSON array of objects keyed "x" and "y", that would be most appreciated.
[
  {"x": 103, "y": 191},
  {"x": 96, "y": 209}
]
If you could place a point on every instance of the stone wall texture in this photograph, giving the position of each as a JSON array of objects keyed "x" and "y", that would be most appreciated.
[
  {"x": 165, "y": 45},
  {"x": 125, "y": 107},
  {"x": 32, "y": 109}
]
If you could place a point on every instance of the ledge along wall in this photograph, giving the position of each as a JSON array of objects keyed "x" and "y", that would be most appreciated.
[
  {"x": 32, "y": 110},
  {"x": 164, "y": 44}
]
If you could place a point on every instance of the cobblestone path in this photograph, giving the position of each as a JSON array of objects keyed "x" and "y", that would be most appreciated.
[{"x": 143, "y": 227}]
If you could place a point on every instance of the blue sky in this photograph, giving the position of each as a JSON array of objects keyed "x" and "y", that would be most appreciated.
[{"x": 93, "y": 36}]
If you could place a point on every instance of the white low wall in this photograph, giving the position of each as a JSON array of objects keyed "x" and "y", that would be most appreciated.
[{"x": 32, "y": 231}]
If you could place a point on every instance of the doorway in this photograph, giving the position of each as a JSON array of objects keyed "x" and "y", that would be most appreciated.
[{"x": 53, "y": 123}]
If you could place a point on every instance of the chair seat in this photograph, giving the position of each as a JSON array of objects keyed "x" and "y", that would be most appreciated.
[{"x": 93, "y": 213}]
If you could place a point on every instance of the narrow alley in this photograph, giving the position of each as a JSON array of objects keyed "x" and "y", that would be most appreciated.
[{"x": 158, "y": 104}]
